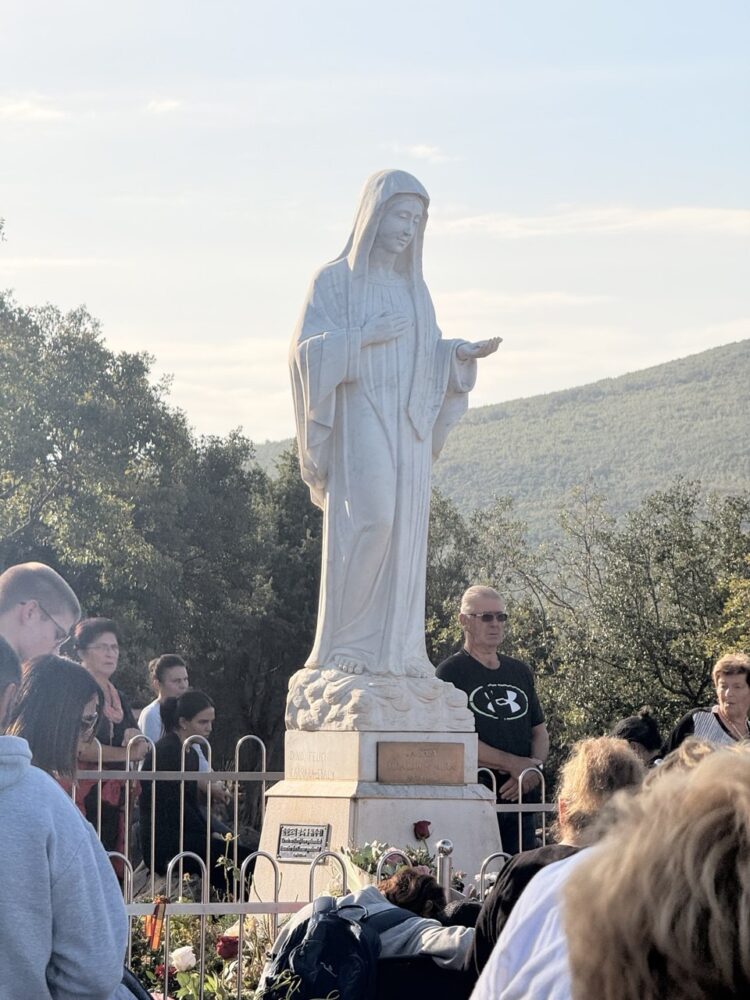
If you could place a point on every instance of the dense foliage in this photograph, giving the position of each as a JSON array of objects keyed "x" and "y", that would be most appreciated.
[
  {"x": 192, "y": 546},
  {"x": 184, "y": 541}
]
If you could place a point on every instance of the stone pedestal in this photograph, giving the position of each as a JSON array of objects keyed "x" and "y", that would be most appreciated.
[{"x": 332, "y": 781}]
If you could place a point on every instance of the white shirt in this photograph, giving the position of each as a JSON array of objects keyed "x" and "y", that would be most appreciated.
[
  {"x": 150, "y": 724},
  {"x": 530, "y": 958}
]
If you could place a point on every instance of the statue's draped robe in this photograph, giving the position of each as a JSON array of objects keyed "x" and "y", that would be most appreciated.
[{"x": 369, "y": 422}]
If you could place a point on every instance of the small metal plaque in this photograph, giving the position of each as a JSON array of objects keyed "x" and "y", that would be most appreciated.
[
  {"x": 421, "y": 763},
  {"x": 302, "y": 842}
]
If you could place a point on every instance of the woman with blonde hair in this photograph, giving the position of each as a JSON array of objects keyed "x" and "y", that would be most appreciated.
[
  {"x": 662, "y": 907},
  {"x": 595, "y": 770}
]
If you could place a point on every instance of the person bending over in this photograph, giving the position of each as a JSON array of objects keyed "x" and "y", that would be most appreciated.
[
  {"x": 56, "y": 711},
  {"x": 414, "y": 953}
]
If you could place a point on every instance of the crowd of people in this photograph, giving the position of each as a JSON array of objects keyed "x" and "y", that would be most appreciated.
[
  {"x": 642, "y": 892},
  {"x": 58, "y": 717}
]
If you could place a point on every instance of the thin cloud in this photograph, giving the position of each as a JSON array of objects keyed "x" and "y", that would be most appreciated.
[
  {"x": 424, "y": 152},
  {"x": 602, "y": 220},
  {"x": 163, "y": 106},
  {"x": 29, "y": 110}
]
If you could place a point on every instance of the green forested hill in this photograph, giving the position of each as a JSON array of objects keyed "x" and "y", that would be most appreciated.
[{"x": 624, "y": 437}]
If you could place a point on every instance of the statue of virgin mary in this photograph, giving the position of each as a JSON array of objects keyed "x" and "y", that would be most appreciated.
[{"x": 376, "y": 391}]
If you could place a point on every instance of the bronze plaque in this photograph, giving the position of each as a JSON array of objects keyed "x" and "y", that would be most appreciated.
[{"x": 421, "y": 763}]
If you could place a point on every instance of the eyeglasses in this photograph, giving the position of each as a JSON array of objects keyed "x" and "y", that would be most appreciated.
[
  {"x": 487, "y": 616},
  {"x": 105, "y": 647},
  {"x": 88, "y": 722},
  {"x": 61, "y": 634}
]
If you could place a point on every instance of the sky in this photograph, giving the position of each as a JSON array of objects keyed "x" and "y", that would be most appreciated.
[{"x": 183, "y": 168}]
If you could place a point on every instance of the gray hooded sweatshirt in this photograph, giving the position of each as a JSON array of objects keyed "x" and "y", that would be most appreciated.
[{"x": 63, "y": 928}]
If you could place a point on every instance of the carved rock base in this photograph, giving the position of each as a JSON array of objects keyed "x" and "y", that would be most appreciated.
[{"x": 331, "y": 699}]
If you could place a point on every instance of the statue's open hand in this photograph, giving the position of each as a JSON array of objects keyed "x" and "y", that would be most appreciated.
[
  {"x": 386, "y": 326},
  {"x": 467, "y": 352}
]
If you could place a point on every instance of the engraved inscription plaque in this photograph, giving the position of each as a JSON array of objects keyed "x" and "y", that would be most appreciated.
[
  {"x": 301, "y": 842},
  {"x": 421, "y": 763}
]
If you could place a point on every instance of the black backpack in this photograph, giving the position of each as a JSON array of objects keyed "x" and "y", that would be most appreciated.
[{"x": 330, "y": 954}]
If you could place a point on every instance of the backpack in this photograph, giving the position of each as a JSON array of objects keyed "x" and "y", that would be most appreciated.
[{"x": 330, "y": 955}]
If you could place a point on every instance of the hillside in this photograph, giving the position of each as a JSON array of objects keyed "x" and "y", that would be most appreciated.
[{"x": 625, "y": 436}]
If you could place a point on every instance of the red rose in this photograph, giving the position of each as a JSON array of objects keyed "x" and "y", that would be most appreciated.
[
  {"x": 227, "y": 947},
  {"x": 159, "y": 971},
  {"x": 422, "y": 829}
]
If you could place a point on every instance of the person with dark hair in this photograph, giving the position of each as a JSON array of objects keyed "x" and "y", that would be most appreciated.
[
  {"x": 642, "y": 733},
  {"x": 10, "y": 678},
  {"x": 98, "y": 645},
  {"x": 192, "y": 714},
  {"x": 420, "y": 956},
  {"x": 38, "y": 609},
  {"x": 57, "y": 707},
  {"x": 169, "y": 679}
]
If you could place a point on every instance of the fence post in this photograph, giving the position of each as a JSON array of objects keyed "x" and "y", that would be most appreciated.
[
  {"x": 236, "y": 818},
  {"x": 483, "y": 869},
  {"x": 394, "y": 853},
  {"x": 204, "y": 899},
  {"x": 314, "y": 864},
  {"x": 444, "y": 851},
  {"x": 521, "y": 776}
]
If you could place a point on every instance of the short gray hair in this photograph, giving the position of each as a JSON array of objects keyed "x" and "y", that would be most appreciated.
[{"x": 478, "y": 590}]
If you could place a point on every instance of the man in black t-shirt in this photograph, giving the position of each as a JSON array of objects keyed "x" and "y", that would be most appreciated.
[{"x": 508, "y": 717}]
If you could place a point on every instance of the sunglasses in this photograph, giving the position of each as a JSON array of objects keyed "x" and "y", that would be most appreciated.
[{"x": 488, "y": 616}]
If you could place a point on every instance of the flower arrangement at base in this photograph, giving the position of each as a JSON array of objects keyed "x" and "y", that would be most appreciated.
[{"x": 221, "y": 962}]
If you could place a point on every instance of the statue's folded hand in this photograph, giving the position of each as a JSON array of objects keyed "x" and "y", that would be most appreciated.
[{"x": 386, "y": 326}]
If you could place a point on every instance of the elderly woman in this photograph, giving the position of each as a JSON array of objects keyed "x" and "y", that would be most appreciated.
[
  {"x": 660, "y": 909},
  {"x": 98, "y": 644},
  {"x": 726, "y": 722},
  {"x": 595, "y": 770}
]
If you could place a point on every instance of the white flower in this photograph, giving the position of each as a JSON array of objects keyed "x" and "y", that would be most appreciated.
[{"x": 183, "y": 958}]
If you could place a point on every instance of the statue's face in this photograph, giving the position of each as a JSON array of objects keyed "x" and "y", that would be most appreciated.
[{"x": 399, "y": 224}]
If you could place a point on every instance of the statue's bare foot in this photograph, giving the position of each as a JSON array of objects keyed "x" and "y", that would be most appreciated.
[
  {"x": 349, "y": 667},
  {"x": 419, "y": 668}
]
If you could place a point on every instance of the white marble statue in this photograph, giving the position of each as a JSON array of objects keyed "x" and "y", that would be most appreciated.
[{"x": 376, "y": 391}]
